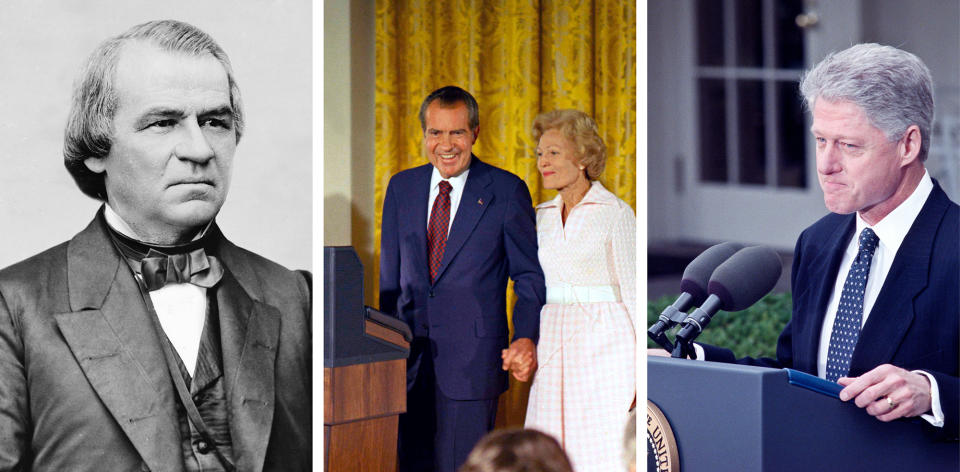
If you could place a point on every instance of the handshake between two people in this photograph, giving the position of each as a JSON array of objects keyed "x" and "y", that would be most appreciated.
[{"x": 520, "y": 358}]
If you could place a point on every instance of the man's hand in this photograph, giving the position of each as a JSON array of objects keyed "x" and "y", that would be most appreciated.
[
  {"x": 657, "y": 352},
  {"x": 908, "y": 392},
  {"x": 520, "y": 359}
]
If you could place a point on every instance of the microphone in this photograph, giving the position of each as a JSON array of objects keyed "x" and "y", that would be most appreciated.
[
  {"x": 693, "y": 286},
  {"x": 735, "y": 285}
]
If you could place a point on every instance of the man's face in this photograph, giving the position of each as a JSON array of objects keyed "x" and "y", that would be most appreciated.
[
  {"x": 448, "y": 139},
  {"x": 858, "y": 167},
  {"x": 168, "y": 170}
]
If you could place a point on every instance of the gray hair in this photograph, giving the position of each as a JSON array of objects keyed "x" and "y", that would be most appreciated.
[
  {"x": 893, "y": 87},
  {"x": 89, "y": 131}
]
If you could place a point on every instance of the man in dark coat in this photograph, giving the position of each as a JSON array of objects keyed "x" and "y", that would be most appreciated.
[{"x": 149, "y": 341}]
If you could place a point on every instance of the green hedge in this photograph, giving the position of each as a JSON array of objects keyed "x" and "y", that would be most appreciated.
[{"x": 751, "y": 332}]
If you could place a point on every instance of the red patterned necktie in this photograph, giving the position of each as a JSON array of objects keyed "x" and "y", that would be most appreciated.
[{"x": 437, "y": 228}]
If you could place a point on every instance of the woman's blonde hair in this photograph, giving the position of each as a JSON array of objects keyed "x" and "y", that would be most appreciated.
[{"x": 582, "y": 131}]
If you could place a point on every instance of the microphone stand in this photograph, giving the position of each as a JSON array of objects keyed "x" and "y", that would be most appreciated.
[
  {"x": 693, "y": 326},
  {"x": 671, "y": 316},
  {"x": 661, "y": 339},
  {"x": 683, "y": 350}
]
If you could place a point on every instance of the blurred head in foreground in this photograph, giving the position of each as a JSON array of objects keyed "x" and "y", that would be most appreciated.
[{"x": 517, "y": 450}]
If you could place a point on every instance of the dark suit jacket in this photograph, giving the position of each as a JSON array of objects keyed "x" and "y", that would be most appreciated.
[
  {"x": 915, "y": 322},
  {"x": 83, "y": 380},
  {"x": 464, "y": 311}
]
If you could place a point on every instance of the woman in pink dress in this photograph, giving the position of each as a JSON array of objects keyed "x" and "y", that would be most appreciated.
[{"x": 585, "y": 382}]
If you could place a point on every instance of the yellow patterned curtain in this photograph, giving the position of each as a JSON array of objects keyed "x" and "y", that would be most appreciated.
[{"x": 518, "y": 58}]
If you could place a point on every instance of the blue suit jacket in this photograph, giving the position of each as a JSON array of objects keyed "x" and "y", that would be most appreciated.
[
  {"x": 463, "y": 312},
  {"x": 915, "y": 322}
]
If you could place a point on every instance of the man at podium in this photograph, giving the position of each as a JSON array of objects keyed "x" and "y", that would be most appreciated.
[{"x": 875, "y": 282}]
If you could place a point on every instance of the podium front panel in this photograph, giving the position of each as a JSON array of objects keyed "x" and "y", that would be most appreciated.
[{"x": 743, "y": 418}]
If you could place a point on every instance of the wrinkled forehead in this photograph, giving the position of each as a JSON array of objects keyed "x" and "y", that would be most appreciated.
[
  {"x": 145, "y": 71},
  {"x": 840, "y": 118},
  {"x": 447, "y": 116}
]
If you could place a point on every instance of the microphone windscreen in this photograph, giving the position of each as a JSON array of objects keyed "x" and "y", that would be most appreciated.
[
  {"x": 697, "y": 274},
  {"x": 745, "y": 278}
]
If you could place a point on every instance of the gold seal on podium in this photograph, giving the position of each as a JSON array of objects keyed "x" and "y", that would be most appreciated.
[{"x": 662, "y": 452}]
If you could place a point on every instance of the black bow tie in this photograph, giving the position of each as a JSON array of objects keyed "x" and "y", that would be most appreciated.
[{"x": 194, "y": 267}]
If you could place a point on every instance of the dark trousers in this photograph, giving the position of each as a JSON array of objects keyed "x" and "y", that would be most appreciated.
[{"x": 437, "y": 433}]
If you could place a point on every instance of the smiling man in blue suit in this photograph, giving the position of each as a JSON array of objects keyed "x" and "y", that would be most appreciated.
[
  {"x": 875, "y": 283},
  {"x": 453, "y": 231}
]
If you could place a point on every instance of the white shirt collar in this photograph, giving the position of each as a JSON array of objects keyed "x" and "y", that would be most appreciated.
[
  {"x": 457, "y": 182},
  {"x": 893, "y": 228},
  {"x": 597, "y": 194},
  {"x": 116, "y": 222}
]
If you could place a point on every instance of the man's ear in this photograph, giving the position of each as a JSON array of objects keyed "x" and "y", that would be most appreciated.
[
  {"x": 476, "y": 134},
  {"x": 95, "y": 164},
  {"x": 909, "y": 146}
]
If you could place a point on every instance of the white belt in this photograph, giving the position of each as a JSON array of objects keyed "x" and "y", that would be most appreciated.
[{"x": 564, "y": 294}]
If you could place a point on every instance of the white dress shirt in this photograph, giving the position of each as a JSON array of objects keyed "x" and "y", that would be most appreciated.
[
  {"x": 891, "y": 230},
  {"x": 181, "y": 308},
  {"x": 458, "y": 183}
]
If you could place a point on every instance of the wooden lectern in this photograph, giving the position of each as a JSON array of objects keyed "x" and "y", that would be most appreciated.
[{"x": 364, "y": 374}]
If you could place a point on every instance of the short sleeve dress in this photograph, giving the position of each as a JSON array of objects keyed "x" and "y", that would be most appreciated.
[{"x": 585, "y": 382}]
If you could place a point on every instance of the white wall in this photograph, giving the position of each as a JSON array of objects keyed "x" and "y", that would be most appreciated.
[
  {"x": 348, "y": 130},
  {"x": 931, "y": 30},
  {"x": 44, "y": 43},
  {"x": 928, "y": 28},
  {"x": 664, "y": 127}
]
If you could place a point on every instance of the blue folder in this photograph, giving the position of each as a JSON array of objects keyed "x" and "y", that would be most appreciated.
[{"x": 812, "y": 382}]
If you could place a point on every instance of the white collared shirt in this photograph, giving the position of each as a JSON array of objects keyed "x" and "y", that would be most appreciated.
[
  {"x": 891, "y": 230},
  {"x": 457, "y": 182},
  {"x": 181, "y": 308}
]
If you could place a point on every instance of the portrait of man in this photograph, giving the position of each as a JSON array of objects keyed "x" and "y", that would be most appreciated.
[
  {"x": 875, "y": 281},
  {"x": 446, "y": 277},
  {"x": 149, "y": 341}
]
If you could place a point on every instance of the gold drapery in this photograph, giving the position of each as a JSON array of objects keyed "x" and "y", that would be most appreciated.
[{"x": 518, "y": 58}]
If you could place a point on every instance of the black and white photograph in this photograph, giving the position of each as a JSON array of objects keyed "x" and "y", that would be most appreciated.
[{"x": 155, "y": 304}]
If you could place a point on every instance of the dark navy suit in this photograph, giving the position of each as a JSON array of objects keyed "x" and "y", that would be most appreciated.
[
  {"x": 459, "y": 321},
  {"x": 915, "y": 321}
]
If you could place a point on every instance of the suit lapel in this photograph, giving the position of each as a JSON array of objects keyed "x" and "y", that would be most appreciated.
[
  {"x": 892, "y": 313},
  {"x": 825, "y": 265},
  {"x": 417, "y": 216},
  {"x": 473, "y": 203},
  {"x": 111, "y": 335},
  {"x": 250, "y": 333}
]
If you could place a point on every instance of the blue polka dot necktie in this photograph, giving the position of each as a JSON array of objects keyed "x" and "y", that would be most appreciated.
[
  {"x": 846, "y": 326},
  {"x": 437, "y": 228}
]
